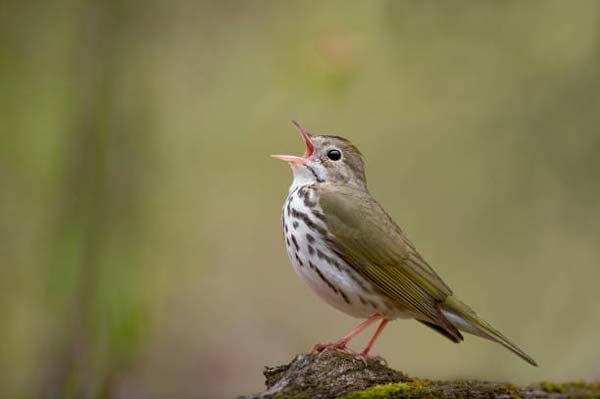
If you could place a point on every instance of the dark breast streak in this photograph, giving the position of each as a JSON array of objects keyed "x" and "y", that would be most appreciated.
[
  {"x": 304, "y": 193},
  {"x": 306, "y": 239}
]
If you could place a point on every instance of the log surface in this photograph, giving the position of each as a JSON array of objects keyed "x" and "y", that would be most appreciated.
[{"x": 340, "y": 375}]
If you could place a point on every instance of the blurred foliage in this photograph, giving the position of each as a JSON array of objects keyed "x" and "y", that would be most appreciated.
[{"x": 139, "y": 211}]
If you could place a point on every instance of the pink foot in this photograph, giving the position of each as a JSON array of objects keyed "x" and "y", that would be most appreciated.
[
  {"x": 333, "y": 346},
  {"x": 341, "y": 346}
]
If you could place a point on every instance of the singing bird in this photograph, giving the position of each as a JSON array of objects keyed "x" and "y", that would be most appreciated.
[{"x": 346, "y": 247}]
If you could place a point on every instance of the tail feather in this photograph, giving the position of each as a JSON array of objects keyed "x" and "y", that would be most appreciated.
[
  {"x": 452, "y": 337},
  {"x": 465, "y": 319}
]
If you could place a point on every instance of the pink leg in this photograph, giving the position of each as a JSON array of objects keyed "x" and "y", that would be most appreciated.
[
  {"x": 341, "y": 344},
  {"x": 382, "y": 325}
]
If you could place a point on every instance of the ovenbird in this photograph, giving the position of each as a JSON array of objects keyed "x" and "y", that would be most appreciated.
[{"x": 346, "y": 247}]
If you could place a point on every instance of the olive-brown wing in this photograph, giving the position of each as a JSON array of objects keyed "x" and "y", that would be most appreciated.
[{"x": 365, "y": 236}]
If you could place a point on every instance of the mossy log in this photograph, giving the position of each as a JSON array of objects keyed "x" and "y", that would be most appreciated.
[{"x": 339, "y": 375}]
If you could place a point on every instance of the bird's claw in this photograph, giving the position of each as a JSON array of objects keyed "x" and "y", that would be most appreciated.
[
  {"x": 332, "y": 346},
  {"x": 341, "y": 346}
]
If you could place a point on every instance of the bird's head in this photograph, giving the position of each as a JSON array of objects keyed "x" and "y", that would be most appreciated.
[{"x": 327, "y": 159}]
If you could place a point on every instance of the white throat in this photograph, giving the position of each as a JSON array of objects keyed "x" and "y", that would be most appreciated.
[{"x": 302, "y": 176}]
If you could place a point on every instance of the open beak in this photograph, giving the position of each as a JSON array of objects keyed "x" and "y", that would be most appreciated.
[{"x": 310, "y": 148}]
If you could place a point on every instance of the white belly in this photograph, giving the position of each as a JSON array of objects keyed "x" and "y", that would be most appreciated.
[{"x": 326, "y": 273}]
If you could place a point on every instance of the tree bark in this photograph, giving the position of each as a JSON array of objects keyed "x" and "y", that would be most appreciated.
[{"x": 340, "y": 375}]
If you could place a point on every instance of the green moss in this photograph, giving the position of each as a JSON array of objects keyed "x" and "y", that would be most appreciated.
[
  {"x": 418, "y": 388},
  {"x": 510, "y": 389},
  {"x": 418, "y": 384},
  {"x": 578, "y": 389},
  {"x": 552, "y": 387},
  {"x": 378, "y": 391},
  {"x": 582, "y": 385}
]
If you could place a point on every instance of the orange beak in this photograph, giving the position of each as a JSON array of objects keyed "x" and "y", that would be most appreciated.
[{"x": 310, "y": 148}]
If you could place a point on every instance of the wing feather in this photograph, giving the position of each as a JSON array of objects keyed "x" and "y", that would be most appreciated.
[{"x": 366, "y": 237}]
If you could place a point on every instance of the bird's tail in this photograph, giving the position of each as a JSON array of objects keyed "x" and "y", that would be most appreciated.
[{"x": 465, "y": 319}]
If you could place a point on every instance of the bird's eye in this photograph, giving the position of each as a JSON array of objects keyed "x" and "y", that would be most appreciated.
[{"x": 334, "y": 155}]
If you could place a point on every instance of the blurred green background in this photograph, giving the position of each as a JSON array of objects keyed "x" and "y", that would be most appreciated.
[{"x": 140, "y": 244}]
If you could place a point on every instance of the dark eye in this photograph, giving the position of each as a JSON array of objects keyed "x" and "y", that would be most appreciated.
[{"x": 334, "y": 155}]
